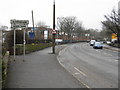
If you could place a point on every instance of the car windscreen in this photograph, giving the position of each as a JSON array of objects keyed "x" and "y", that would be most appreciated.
[{"x": 98, "y": 44}]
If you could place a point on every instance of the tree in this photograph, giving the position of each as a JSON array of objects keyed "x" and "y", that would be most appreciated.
[
  {"x": 79, "y": 29},
  {"x": 42, "y": 24},
  {"x": 60, "y": 24},
  {"x": 69, "y": 26},
  {"x": 3, "y": 27},
  {"x": 106, "y": 33},
  {"x": 112, "y": 23}
]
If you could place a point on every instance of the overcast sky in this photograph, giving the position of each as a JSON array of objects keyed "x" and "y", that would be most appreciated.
[{"x": 90, "y": 12}]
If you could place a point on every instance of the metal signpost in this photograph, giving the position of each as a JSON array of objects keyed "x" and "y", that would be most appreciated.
[{"x": 19, "y": 24}]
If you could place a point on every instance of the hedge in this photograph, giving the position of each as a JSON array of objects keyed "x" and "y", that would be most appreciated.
[{"x": 30, "y": 48}]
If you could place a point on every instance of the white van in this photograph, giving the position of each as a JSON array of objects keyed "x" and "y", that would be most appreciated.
[{"x": 92, "y": 42}]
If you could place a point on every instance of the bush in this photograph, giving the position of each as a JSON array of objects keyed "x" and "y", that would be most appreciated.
[
  {"x": 30, "y": 41},
  {"x": 3, "y": 73},
  {"x": 36, "y": 47},
  {"x": 30, "y": 48}
]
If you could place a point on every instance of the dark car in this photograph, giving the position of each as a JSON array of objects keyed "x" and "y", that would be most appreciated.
[{"x": 97, "y": 45}]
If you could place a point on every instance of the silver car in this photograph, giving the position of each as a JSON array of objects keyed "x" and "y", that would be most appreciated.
[{"x": 98, "y": 45}]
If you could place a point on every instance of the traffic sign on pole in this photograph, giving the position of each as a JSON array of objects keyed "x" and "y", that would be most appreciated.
[
  {"x": 19, "y": 24},
  {"x": 31, "y": 35},
  {"x": 54, "y": 31}
]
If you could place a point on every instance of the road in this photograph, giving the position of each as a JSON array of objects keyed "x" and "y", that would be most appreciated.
[{"x": 94, "y": 68}]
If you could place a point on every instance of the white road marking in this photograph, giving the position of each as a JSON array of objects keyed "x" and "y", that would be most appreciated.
[
  {"x": 76, "y": 77},
  {"x": 80, "y": 71},
  {"x": 82, "y": 82},
  {"x": 77, "y": 73},
  {"x": 96, "y": 50},
  {"x": 108, "y": 54},
  {"x": 85, "y": 85},
  {"x": 116, "y": 60}
]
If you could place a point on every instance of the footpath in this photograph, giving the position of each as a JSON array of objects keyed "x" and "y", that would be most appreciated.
[
  {"x": 111, "y": 48},
  {"x": 39, "y": 70}
]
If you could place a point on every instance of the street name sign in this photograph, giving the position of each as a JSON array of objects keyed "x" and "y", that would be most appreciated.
[{"x": 19, "y": 23}]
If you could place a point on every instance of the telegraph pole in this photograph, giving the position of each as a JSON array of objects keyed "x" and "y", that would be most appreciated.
[
  {"x": 33, "y": 20},
  {"x": 53, "y": 49},
  {"x": 33, "y": 27}
]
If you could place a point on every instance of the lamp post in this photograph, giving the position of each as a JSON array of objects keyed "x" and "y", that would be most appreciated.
[{"x": 53, "y": 49}]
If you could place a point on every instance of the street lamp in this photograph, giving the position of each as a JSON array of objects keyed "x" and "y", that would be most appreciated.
[{"x": 53, "y": 49}]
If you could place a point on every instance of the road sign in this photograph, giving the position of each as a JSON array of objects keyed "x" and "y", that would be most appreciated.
[
  {"x": 54, "y": 31},
  {"x": 34, "y": 28},
  {"x": 45, "y": 34},
  {"x": 31, "y": 35},
  {"x": 19, "y": 23},
  {"x": 114, "y": 36}
]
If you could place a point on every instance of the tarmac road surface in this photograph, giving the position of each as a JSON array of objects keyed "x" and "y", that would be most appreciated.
[{"x": 94, "y": 68}]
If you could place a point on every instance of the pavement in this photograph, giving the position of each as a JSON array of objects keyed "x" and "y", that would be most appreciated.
[
  {"x": 40, "y": 69},
  {"x": 111, "y": 48}
]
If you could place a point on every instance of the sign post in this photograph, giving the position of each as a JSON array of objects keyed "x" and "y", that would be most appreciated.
[
  {"x": 24, "y": 42},
  {"x": 19, "y": 24},
  {"x": 14, "y": 43}
]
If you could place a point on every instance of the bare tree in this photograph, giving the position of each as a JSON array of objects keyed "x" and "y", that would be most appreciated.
[
  {"x": 60, "y": 24},
  {"x": 112, "y": 23},
  {"x": 3, "y": 27},
  {"x": 68, "y": 25},
  {"x": 42, "y": 24},
  {"x": 79, "y": 29}
]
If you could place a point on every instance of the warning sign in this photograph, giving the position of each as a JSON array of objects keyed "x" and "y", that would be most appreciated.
[
  {"x": 114, "y": 36},
  {"x": 54, "y": 31}
]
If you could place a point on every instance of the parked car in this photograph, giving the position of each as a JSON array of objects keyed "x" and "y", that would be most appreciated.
[
  {"x": 97, "y": 45},
  {"x": 92, "y": 42}
]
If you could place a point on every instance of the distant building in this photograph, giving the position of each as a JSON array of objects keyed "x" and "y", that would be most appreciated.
[{"x": 40, "y": 32}]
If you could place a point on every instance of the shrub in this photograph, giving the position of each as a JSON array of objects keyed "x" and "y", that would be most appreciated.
[{"x": 30, "y": 48}]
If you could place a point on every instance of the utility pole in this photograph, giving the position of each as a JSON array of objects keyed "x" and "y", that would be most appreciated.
[
  {"x": 53, "y": 49},
  {"x": 33, "y": 27},
  {"x": 33, "y": 20}
]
